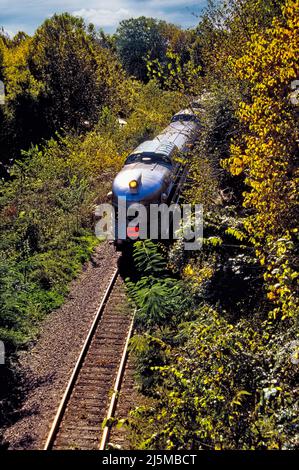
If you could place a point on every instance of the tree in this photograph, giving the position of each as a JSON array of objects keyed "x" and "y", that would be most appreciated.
[
  {"x": 267, "y": 154},
  {"x": 138, "y": 39},
  {"x": 22, "y": 121},
  {"x": 61, "y": 78},
  {"x": 64, "y": 60},
  {"x": 224, "y": 30}
]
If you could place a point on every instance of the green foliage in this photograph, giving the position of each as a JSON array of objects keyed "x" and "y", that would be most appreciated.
[
  {"x": 80, "y": 75},
  {"x": 214, "y": 382},
  {"x": 43, "y": 242},
  {"x": 138, "y": 38},
  {"x": 64, "y": 60},
  {"x": 155, "y": 49},
  {"x": 62, "y": 77},
  {"x": 221, "y": 390},
  {"x": 174, "y": 74},
  {"x": 159, "y": 299},
  {"x": 147, "y": 259},
  {"x": 152, "y": 110},
  {"x": 156, "y": 295},
  {"x": 223, "y": 32}
]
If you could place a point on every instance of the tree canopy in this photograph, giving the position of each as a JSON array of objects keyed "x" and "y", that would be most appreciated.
[{"x": 136, "y": 40}]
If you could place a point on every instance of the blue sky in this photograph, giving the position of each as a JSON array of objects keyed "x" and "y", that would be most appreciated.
[{"x": 27, "y": 15}]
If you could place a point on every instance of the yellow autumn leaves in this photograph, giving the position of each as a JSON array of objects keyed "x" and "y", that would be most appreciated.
[{"x": 266, "y": 153}]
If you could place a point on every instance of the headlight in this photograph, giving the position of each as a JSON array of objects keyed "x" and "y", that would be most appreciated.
[{"x": 133, "y": 184}]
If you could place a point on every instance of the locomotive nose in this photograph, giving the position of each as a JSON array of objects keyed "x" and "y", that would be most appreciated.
[{"x": 137, "y": 186}]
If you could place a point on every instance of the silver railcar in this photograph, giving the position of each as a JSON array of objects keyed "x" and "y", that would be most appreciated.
[{"x": 151, "y": 172}]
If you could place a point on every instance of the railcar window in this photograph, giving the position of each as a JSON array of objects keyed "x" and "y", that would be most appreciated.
[
  {"x": 148, "y": 158},
  {"x": 184, "y": 117}
]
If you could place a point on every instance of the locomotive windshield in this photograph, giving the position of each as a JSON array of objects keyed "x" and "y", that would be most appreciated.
[{"x": 147, "y": 157}]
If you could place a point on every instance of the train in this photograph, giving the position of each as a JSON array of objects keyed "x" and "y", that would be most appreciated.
[{"x": 154, "y": 172}]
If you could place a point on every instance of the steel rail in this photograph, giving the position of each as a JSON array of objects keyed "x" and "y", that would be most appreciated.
[
  {"x": 117, "y": 388},
  {"x": 84, "y": 350}
]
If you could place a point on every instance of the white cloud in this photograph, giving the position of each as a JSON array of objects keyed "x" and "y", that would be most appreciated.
[
  {"x": 103, "y": 17},
  {"x": 110, "y": 17}
]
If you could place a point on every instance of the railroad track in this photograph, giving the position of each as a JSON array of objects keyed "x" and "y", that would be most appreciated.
[{"x": 92, "y": 391}]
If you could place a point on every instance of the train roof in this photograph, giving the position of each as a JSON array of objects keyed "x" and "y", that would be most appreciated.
[
  {"x": 179, "y": 133},
  {"x": 185, "y": 112},
  {"x": 163, "y": 147},
  {"x": 174, "y": 136}
]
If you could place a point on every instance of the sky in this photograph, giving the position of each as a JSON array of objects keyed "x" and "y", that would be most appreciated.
[{"x": 27, "y": 15}]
